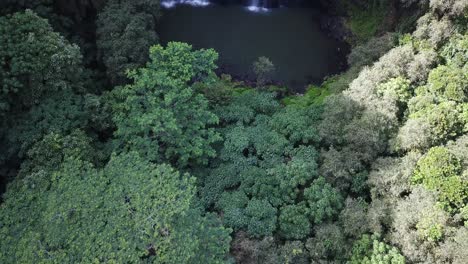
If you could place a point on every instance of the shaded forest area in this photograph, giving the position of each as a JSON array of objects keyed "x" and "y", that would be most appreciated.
[{"x": 116, "y": 149}]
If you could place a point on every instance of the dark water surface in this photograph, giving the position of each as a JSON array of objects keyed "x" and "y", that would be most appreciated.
[{"x": 290, "y": 37}]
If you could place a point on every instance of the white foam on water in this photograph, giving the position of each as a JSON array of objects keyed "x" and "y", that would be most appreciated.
[
  {"x": 174, "y": 3},
  {"x": 257, "y": 9},
  {"x": 254, "y": 6}
]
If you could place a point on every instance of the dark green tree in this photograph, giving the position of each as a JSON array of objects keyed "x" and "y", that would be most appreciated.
[
  {"x": 125, "y": 31},
  {"x": 35, "y": 62},
  {"x": 324, "y": 201},
  {"x": 261, "y": 218},
  {"x": 129, "y": 211},
  {"x": 160, "y": 115},
  {"x": 60, "y": 113},
  {"x": 293, "y": 222}
]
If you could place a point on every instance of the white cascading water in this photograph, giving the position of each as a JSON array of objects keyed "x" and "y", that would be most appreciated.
[
  {"x": 254, "y": 6},
  {"x": 173, "y": 3}
]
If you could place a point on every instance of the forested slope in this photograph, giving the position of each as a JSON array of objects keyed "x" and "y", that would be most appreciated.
[{"x": 114, "y": 155}]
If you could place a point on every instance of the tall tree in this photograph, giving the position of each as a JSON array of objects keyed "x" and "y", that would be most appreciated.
[
  {"x": 160, "y": 115},
  {"x": 34, "y": 61},
  {"x": 125, "y": 31}
]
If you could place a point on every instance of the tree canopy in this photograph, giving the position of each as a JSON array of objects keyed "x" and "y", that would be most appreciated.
[
  {"x": 160, "y": 115},
  {"x": 128, "y": 211},
  {"x": 117, "y": 149}
]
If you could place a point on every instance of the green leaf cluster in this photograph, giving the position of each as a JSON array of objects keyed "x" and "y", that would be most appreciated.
[
  {"x": 371, "y": 250},
  {"x": 130, "y": 210},
  {"x": 440, "y": 170},
  {"x": 35, "y": 62},
  {"x": 160, "y": 115}
]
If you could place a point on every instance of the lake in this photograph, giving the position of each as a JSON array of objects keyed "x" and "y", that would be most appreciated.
[{"x": 290, "y": 37}]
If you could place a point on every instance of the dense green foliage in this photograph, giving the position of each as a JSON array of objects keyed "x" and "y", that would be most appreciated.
[
  {"x": 369, "y": 250},
  {"x": 125, "y": 31},
  {"x": 160, "y": 115},
  {"x": 441, "y": 170},
  {"x": 365, "y": 22},
  {"x": 267, "y": 172},
  {"x": 127, "y": 211},
  {"x": 35, "y": 62},
  {"x": 143, "y": 154}
]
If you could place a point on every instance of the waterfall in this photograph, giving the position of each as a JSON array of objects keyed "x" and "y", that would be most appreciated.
[
  {"x": 256, "y": 6},
  {"x": 251, "y": 5},
  {"x": 173, "y": 3}
]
